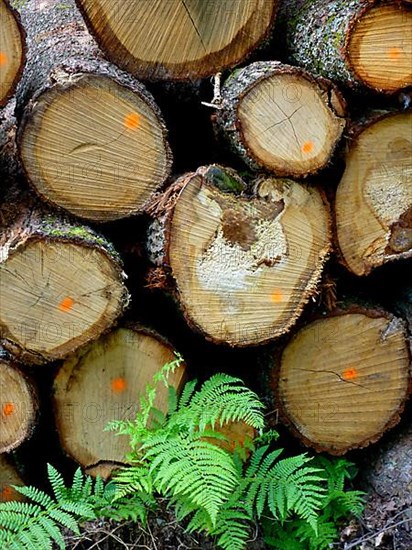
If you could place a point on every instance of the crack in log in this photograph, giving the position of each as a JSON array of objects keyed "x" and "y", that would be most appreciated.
[
  {"x": 284, "y": 119},
  {"x": 194, "y": 24},
  {"x": 336, "y": 374}
]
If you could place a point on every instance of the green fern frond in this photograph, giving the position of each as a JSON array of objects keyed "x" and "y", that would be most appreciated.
[
  {"x": 195, "y": 469},
  {"x": 256, "y": 481},
  {"x": 136, "y": 478},
  {"x": 327, "y": 534},
  {"x": 285, "y": 487},
  {"x": 172, "y": 400},
  {"x": 187, "y": 393},
  {"x": 295, "y": 488},
  {"x": 223, "y": 399},
  {"x": 345, "y": 503},
  {"x": 52, "y": 530},
  {"x": 38, "y": 523},
  {"x": 56, "y": 482}
]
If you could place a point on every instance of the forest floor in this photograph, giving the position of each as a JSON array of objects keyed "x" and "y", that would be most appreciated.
[{"x": 383, "y": 527}]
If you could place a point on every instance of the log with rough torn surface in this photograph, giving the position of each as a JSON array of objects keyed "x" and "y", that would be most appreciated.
[
  {"x": 242, "y": 268},
  {"x": 9, "y": 477},
  {"x": 102, "y": 383},
  {"x": 358, "y": 43},
  {"x": 373, "y": 206},
  {"x": 281, "y": 118},
  {"x": 18, "y": 405},
  {"x": 343, "y": 379},
  {"x": 178, "y": 39},
  {"x": 12, "y": 50},
  {"x": 61, "y": 286},
  {"x": 91, "y": 138}
]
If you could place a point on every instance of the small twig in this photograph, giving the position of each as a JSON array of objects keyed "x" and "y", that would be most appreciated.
[
  {"x": 387, "y": 527},
  {"x": 217, "y": 100}
]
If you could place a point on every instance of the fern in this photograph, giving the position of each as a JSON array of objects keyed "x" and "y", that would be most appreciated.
[
  {"x": 178, "y": 456},
  {"x": 286, "y": 486},
  {"x": 299, "y": 500},
  {"x": 336, "y": 505},
  {"x": 175, "y": 454},
  {"x": 38, "y": 522}
]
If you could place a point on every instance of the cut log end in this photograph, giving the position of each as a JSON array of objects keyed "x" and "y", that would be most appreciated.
[
  {"x": 374, "y": 198},
  {"x": 11, "y": 51},
  {"x": 245, "y": 267},
  {"x": 18, "y": 407},
  {"x": 56, "y": 296},
  {"x": 9, "y": 477},
  {"x": 289, "y": 136},
  {"x": 102, "y": 383},
  {"x": 380, "y": 47},
  {"x": 178, "y": 39},
  {"x": 344, "y": 379},
  {"x": 94, "y": 147},
  {"x": 280, "y": 118}
]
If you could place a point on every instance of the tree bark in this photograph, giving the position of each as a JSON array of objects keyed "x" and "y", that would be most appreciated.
[
  {"x": 353, "y": 383},
  {"x": 357, "y": 43},
  {"x": 102, "y": 383},
  {"x": 91, "y": 138},
  {"x": 373, "y": 207},
  {"x": 61, "y": 286},
  {"x": 178, "y": 40},
  {"x": 18, "y": 405},
  {"x": 280, "y": 118},
  {"x": 12, "y": 50},
  {"x": 238, "y": 266}
]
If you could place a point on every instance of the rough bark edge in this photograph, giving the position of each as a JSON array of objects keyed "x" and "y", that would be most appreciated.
[
  {"x": 240, "y": 83},
  {"x": 154, "y": 72},
  {"x": 41, "y": 226},
  {"x": 354, "y": 130},
  {"x": 274, "y": 375},
  {"x": 130, "y": 325},
  {"x": 19, "y": 73},
  {"x": 10, "y": 361},
  {"x": 84, "y": 56},
  {"x": 162, "y": 277},
  {"x": 328, "y": 58},
  {"x": 61, "y": 74}
]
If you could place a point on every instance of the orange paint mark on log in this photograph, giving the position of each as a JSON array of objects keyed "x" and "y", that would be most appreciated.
[
  {"x": 66, "y": 304},
  {"x": 3, "y": 59},
  {"x": 394, "y": 53},
  {"x": 277, "y": 296},
  {"x": 119, "y": 385},
  {"x": 8, "y": 409},
  {"x": 132, "y": 121},
  {"x": 7, "y": 494},
  {"x": 308, "y": 147},
  {"x": 350, "y": 373}
]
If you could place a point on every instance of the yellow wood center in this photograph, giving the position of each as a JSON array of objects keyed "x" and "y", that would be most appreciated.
[
  {"x": 381, "y": 47},
  {"x": 11, "y": 49}
]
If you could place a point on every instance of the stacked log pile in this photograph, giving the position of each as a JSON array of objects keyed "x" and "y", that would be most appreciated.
[{"x": 309, "y": 180}]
